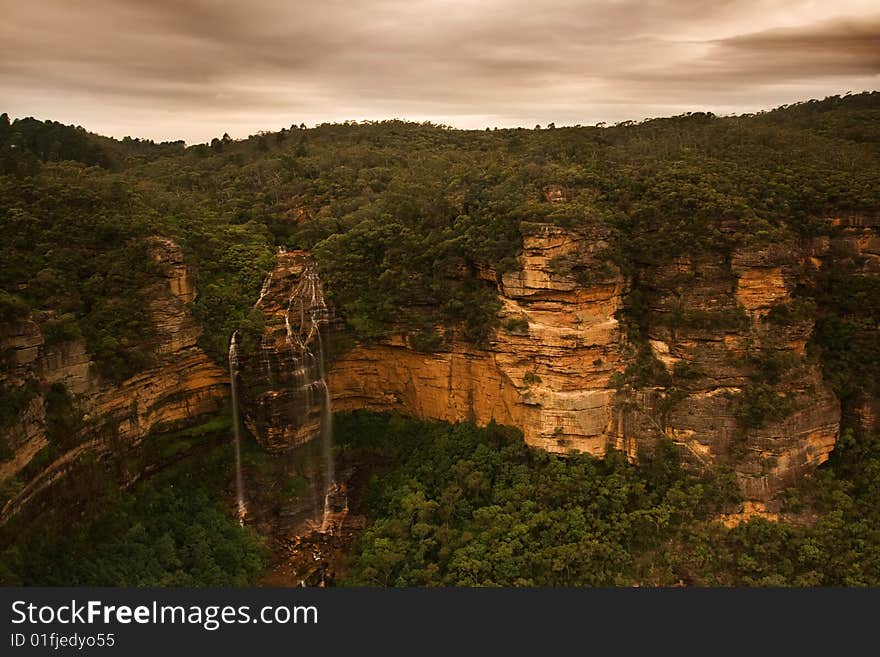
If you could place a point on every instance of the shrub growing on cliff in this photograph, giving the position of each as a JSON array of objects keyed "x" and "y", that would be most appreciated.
[{"x": 759, "y": 403}]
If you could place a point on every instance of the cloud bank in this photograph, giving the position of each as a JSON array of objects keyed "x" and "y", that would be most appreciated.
[{"x": 174, "y": 69}]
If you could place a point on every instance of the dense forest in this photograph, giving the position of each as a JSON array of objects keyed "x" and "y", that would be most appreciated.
[
  {"x": 462, "y": 506},
  {"x": 396, "y": 212},
  {"x": 457, "y": 505},
  {"x": 403, "y": 218},
  {"x": 173, "y": 528}
]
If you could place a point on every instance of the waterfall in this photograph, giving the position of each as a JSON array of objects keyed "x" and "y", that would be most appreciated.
[
  {"x": 266, "y": 345},
  {"x": 307, "y": 308},
  {"x": 241, "y": 509},
  {"x": 264, "y": 289}
]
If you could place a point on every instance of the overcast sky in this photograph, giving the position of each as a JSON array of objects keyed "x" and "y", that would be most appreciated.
[{"x": 193, "y": 69}]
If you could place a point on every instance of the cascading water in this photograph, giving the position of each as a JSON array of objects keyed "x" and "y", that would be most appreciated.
[
  {"x": 306, "y": 306},
  {"x": 264, "y": 290},
  {"x": 266, "y": 346},
  {"x": 233, "y": 384}
]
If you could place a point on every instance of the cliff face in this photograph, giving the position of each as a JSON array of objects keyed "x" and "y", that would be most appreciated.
[
  {"x": 857, "y": 250},
  {"x": 182, "y": 384},
  {"x": 283, "y": 380},
  {"x": 741, "y": 388},
  {"x": 732, "y": 381},
  {"x": 546, "y": 370}
]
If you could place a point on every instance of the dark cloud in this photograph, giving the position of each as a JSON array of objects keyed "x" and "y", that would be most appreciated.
[
  {"x": 169, "y": 68},
  {"x": 832, "y": 48}
]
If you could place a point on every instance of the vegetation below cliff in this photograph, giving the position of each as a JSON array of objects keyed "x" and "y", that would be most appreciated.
[
  {"x": 173, "y": 528},
  {"x": 412, "y": 226},
  {"x": 456, "y": 505},
  {"x": 459, "y": 505}
]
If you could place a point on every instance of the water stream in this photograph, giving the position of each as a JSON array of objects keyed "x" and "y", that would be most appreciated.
[
  {"x": 241, "y": 507},
  {"x": 306, "y": 313},
  {"x": 305, "y": 316}
]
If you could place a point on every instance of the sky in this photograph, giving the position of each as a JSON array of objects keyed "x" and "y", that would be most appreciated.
[{"x": 194, "y": 69}]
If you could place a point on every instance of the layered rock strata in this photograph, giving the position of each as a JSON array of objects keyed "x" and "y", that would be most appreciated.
[
  {"x": 558, "y": 366},
  {"x": 283, "y": 379},
  {"x": 182, "y": 384}
]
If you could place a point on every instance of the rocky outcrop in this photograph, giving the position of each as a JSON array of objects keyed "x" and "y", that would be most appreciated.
[
  {"x": 546, "y": 370},
  {"x": 181, "y": 384},
  {"x": 719, "y": 363},
  {"x": 855, "y": 249},
  {"x": 283, "y": 389},
  {"x": 741, "y": 388}
]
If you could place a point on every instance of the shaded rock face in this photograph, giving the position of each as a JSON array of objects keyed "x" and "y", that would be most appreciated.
[
  {"x": 857, "y": 247},
  {"x": 182, "y": 384},
  {"x": 282, "y": 380},
  {"x": 742, "y": 389},
  {"x": 557, "y": 367}
]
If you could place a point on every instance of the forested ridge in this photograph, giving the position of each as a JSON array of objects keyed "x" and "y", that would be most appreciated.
[{"x": 398, "y": 213}]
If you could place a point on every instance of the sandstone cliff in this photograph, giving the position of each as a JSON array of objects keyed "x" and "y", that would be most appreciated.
[
  {"x": 284, "y": 384},
  {"x": 182, "y": 384},
  {"x": 737, "y": 385},
  {"x": 855, "y": 249},
  {"x": 546, "y": 370},
  {"x": 741, "y": 387}
]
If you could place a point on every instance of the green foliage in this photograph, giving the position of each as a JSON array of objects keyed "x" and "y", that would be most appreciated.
[
  {"x": 722, "y": 319},
  {"x": 800, "y": 309},
  {"x": 685, "y": 371},
  {"x": 230, "y": 263},
  {"x": 63, "y": 418},
  {"x": 458, "y": 505},
  {"x": 645, "y": 370},
  {"x": 62, "y": 329},
  {"x": 73, "y": 247},
  {"x": 427, "y": 340},
  {"x": 48, "y": 141},
  {"x": 846, "y": 333},
  {"x": 171, "y": 529},
  {"x": 407, "y": 220},
  {"x": 14, "y": 399},
  {"x": 517, "y": 326},
  {"x": 12, "y": 307},
  {"x": 841, "y": 548},
  {"x": 759, "y": 403},
  {"x": 585, "y": 272}
]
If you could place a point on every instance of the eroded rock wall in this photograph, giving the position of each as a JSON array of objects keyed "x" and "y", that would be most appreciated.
[
  {"x": 855, "y": 249},
  {"x": 182, "y": 384},
  {"x": 731, "y": 382},
  {"x": 546, "y": 370},
  {"x": 741, "y": 388},
  {"x": 282, "y": 378}
]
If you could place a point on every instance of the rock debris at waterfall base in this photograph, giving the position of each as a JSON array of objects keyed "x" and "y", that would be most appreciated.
[{"x": 314, "y": 558}]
